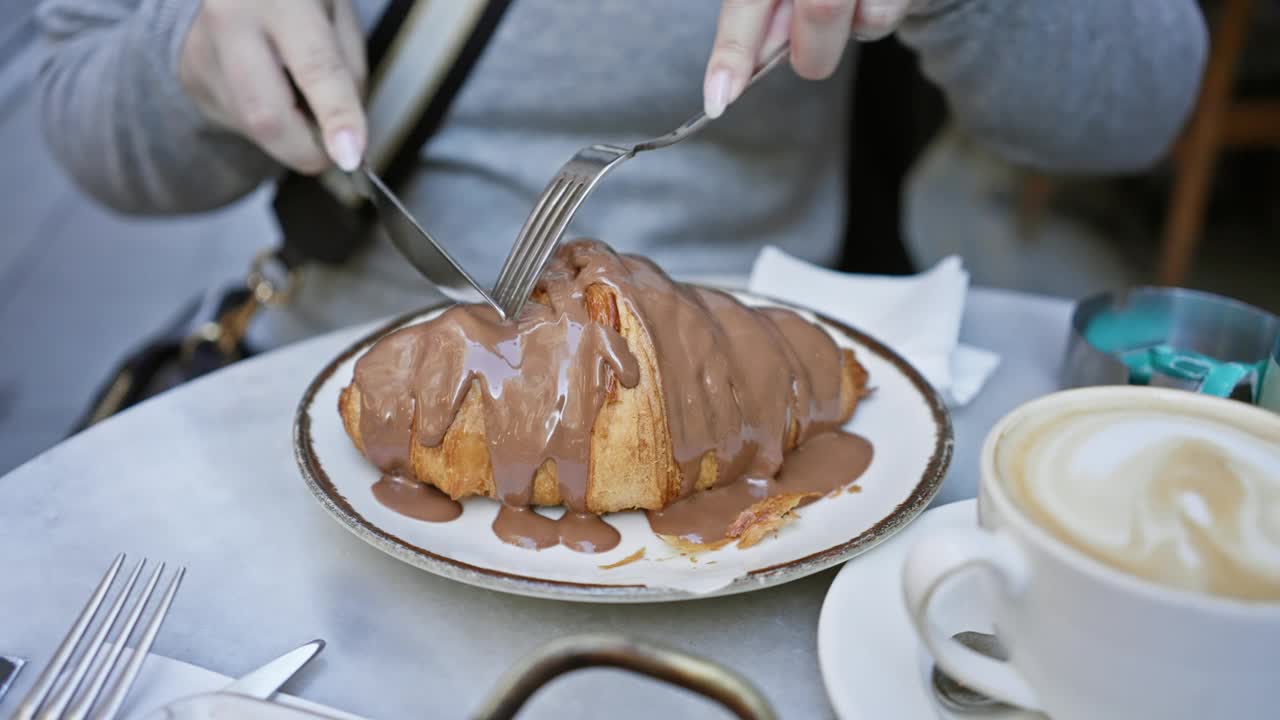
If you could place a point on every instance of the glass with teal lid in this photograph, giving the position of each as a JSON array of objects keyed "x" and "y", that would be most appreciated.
[{"x": 1174, "y": 337}]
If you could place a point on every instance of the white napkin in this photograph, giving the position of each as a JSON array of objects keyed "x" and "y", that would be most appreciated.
[
  {"x": 164, "y": 680},
  {"x": 918, "y": 316}
]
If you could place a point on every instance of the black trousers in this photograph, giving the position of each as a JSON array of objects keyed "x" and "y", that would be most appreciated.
[{"x": 896, "y": 112}]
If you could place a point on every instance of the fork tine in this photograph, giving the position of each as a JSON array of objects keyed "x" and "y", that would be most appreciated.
[
  {"x": 115, "y": 698},
  {"x": 543, "y": 248},
  {"x": 532, "y": 225},
  {"x": 81, "y": 706},
  {"x": 35, "y": 697},
  {"x": 64, "y": 694},
  {"x": 532, "y": 246},
  {"x": 518, "y": 251},
  {"x": 550, "y": 196}
]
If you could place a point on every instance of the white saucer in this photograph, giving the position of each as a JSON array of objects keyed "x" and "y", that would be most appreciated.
[{"x": 873, "y": 664}]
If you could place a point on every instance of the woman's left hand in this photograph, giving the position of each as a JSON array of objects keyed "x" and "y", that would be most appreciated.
[{"x": 818, "y": 30}]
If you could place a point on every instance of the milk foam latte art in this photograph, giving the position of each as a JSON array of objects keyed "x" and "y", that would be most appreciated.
[{"x": 1180, "y": 499}]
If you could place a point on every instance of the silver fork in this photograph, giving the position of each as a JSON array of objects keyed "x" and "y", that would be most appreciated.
[
  {"x": 51, "y": 697},
  {"x": 564, "y": 194}
]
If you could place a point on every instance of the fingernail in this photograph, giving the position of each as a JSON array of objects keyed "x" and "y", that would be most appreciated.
[
  {"x": 345, "y": 150},
  {"x": 877, "y": 19},
  {"x": 779, "y": 30},
  {"x": 717, "y": 93}
]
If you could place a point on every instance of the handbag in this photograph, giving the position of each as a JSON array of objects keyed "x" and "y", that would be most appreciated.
[{"x": 420, "y": 53}]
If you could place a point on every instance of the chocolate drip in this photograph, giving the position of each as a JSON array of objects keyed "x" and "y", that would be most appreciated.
[
  {"x": 583, "y": 532},
  {"x": 416, "y": 500},
  {"x": 522, "y": 526},
  {"x": 822, "y": 465},
  {"x": 541, "y": 383},
  {"x": 740, "y": 383}
]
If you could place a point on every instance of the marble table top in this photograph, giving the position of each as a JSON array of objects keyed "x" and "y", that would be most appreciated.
[{"x": 205, "y": 477}]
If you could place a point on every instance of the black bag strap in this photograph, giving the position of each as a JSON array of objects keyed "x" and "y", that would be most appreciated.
[
  {"x": 319, "y": 224},
  {"x": 385, "y": 29},
  {"x": 433, "y": 114}
]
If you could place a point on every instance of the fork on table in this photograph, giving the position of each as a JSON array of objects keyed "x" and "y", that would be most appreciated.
[
  {"x": 58, "y": 694},
  {"x": 564, "y": 194}
]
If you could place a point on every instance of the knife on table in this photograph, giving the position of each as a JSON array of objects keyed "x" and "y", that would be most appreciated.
[
  {"x": 258, "y": 685},
  {"x": 266, "y": 680}
]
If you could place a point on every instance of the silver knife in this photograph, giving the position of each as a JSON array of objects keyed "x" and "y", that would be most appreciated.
[
  {"x": 417, "y": 246},
  {"x": 259, "y": 684},
  {"x": 263, "y": 682}
]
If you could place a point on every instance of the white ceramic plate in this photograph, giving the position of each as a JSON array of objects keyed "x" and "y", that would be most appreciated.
[
  {"x": 904, "y": 419},
  {"x": 873, "y": 664}
]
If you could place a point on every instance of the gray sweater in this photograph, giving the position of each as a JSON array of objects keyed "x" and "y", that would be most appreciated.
[{"x": 1066, "y": 85}]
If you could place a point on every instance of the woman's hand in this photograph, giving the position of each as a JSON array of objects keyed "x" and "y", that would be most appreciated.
[
  {"x": 818, "y": 30},
  {"x": 234, "y": 63}
]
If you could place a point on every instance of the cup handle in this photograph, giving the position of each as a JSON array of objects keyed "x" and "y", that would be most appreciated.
[{"x": 939, "y": 556}]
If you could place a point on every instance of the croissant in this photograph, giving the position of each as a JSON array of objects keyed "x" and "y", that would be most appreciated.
[{"x": 617, "y": 389}]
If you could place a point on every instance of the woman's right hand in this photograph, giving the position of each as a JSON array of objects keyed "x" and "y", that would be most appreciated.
[{"x": 234, "y": 63}]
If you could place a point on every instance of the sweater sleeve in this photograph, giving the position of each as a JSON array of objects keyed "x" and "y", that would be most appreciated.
[
  {"x": 1068, "y": 86},
  {"x": 117, "y": 118}
]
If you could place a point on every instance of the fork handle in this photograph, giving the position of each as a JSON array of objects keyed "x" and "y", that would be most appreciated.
[{"x": 695, "y": 123}]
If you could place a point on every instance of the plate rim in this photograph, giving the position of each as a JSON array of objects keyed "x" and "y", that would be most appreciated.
[{"x": 327, "y": 494}]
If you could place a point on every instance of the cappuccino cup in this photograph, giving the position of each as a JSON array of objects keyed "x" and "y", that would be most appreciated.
[{"x": 1132, "y": 535}]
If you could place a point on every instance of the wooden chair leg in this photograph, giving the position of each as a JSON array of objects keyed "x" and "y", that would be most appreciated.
[
  {"x": 1199, "y": 149},
  {"x": 1035, "y": 193}
]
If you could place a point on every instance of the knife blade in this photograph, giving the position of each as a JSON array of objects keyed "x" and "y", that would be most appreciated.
[
  {"x": 423, "y": 252},
  {"x": 257, "y": 686},
  {"x": 263, "y": 682}
]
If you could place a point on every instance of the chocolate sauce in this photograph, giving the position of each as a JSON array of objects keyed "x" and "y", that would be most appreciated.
[
  {"x": 587, "y": 533},
  {"x": 578, "y": 531},
  {"x": 822, "y": 465},
  {"x": 524, "y": 527},
  {"x": 416, "y": 500},
  {"x": 541, "y": 384},
  {"x": 738, "y": 382},
  {"x": 739, "y": 388}
]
